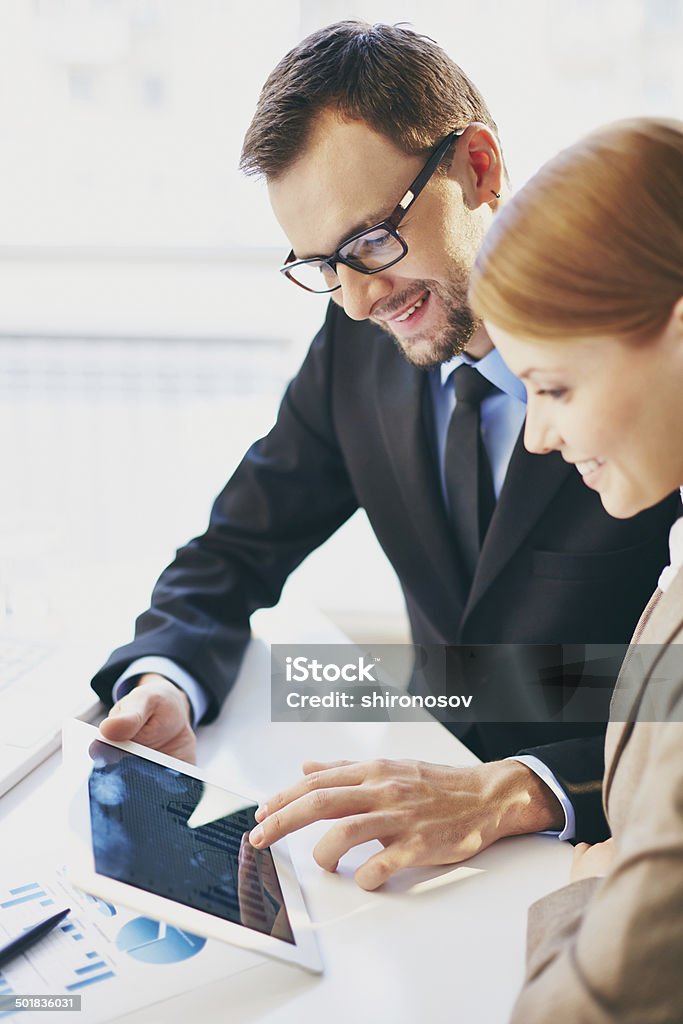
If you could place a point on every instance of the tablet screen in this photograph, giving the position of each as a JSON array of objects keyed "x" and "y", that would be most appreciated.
[{"x": 171, "y": 834}]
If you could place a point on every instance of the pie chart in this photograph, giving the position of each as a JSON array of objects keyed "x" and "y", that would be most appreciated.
[
  {"x": 108, "y": 909},
  {"x": 154, "y": 942}
]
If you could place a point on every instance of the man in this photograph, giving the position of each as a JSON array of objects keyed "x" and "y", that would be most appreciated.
[{"x": 384, "y": 169}]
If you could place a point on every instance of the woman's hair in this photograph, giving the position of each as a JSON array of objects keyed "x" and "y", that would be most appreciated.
[{"x": 593, "y": 243}]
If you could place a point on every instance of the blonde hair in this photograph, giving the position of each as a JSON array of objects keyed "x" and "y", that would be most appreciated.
[{"x": 593, "y": 243}]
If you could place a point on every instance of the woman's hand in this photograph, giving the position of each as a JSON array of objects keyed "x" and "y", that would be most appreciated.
[{"x": 592, "y": 861}]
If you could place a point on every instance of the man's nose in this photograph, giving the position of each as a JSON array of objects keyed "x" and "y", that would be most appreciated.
[
  {"x": 540, "y": 436},
  {"x": 359, "y": 293}
]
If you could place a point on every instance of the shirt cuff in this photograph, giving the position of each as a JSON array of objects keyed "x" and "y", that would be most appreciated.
[
  {"x": 199, "y": 701},
  {"x": 545, "y": 775}
]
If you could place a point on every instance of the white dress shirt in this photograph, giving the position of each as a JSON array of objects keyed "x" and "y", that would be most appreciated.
[{"x": 675, "y": 553}]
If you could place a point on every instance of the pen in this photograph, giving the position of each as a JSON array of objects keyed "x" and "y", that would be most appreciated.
[{"x": 30, "y": 936}]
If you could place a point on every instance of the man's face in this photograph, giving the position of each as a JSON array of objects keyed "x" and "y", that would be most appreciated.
[{"x": 350, "y": 177}]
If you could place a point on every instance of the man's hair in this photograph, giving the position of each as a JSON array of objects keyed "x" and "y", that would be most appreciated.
[
  {"x": 593, "y": 243},
  {"x": 400, "y": 83}
]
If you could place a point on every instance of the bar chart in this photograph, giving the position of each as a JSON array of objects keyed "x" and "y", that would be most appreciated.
[
  {"x": 114, "y": 958},
  {"x": 66, "y": 960}
]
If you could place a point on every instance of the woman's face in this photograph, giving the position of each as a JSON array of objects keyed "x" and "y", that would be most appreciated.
[{"x": 612, "y": 408}]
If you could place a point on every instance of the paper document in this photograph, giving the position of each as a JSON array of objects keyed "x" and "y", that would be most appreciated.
[{"x": 114, "y": 958}]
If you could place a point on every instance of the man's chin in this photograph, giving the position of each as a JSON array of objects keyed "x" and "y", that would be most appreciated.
[
  {"x": 422, "y": 352},
  {"x": 427, "y": 350}
]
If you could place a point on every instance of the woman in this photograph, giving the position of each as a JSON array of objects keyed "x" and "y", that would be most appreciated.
[{"x": 580, "y": 284}]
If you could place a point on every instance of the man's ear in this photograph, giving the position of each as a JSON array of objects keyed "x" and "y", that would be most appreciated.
[
  {"x": 477, "y": 165},
  {"x": 675, "y": 325},
  {"x": 677, "y": 314}
]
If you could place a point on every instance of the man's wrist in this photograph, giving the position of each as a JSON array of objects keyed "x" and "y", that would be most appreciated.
[
  {"x": 523, "y": 801},
  {"x": 547, "y": 776}
]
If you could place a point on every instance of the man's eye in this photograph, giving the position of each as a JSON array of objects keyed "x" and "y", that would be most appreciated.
[
  {"x": 376, "y": 242},
  {"x": 369, "y": 244}
]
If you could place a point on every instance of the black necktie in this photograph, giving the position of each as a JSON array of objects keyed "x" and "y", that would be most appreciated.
[{"x": 469, "y": 484}]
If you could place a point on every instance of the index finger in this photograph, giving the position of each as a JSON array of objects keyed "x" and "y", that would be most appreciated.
[
  {"x": 343, "y": 773},
  {"x": 336, "y": 802},
  {"x": 319, "y": 766}
]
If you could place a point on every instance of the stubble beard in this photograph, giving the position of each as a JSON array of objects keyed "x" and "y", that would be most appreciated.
[{"x": 427, "y": 350}]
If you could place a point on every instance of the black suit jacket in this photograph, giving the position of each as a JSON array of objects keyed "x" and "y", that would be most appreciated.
[{"x": 353, "y": 431}]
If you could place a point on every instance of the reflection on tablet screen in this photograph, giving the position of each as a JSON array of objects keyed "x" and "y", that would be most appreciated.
[{"x": 176, "y": 836}]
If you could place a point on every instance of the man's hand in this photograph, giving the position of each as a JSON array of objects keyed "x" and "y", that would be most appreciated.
[
  {"x": 422, "y": 814},
  {"x": 592, "y": 861},
  {"x": 157, "y": 714}
]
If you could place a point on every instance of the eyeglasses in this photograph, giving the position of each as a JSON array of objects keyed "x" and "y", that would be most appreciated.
[{"x": 371, "y": 250}]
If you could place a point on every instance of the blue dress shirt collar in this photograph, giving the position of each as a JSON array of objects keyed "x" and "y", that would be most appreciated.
[{"x": 491, "y": 366}]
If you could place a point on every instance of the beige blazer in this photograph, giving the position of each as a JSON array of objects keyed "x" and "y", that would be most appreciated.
[{"x": 611, "y": 949}]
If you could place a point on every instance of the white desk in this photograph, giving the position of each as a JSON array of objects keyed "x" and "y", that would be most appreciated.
[{"x": 439, "y": 945}]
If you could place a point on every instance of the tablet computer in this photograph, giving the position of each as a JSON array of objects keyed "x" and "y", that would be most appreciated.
[{"x": 153, "y": 833}]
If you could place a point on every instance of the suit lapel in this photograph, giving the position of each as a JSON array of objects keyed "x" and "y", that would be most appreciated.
[
  {"x": 531, "y": 482},
  {"x": 403, "y": 403},
  {"x": 660, "y": 621}
]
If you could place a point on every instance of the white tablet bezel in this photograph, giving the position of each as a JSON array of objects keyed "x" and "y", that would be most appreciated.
[{"x": 76, "y": 740}]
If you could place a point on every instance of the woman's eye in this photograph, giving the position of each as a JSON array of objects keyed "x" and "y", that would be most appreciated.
[{"x": 552, "y": 392}]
